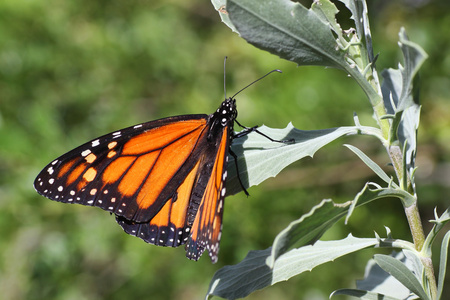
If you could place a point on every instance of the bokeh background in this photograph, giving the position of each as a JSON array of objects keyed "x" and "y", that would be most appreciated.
[{"x": 74, "y": 70}]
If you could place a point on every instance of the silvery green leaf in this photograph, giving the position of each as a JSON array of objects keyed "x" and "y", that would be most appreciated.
[
  {"x": 288, "y": 30},
  {"x": 439, "y": 223},
  {"x": 358, "y": 8},
  {"x": 259, "y": 158},
  {"x": 363, "y": 294},
  {"x": 221, "y": 7},
  {"x": 443, "y": 264},
  {"x": 402, "y": 273},
  {"x": 397, "y": 87},
  {"x": 253, "y": 273},
  {"x": 371, "y": 164},
  {"x": 378, "y": 281}
]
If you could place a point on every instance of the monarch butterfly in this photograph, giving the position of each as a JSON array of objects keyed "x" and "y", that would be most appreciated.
[{"x": 164, "y": 180}]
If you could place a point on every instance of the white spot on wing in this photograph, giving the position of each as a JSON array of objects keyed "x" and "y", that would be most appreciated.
[
  {"x": 85, "y": 152},
  {"x": 219, "y": 208},
  {"x": 95, "y": 143}
]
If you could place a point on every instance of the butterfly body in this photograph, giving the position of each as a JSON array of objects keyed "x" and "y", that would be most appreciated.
[{"x": 164, "y": 180}]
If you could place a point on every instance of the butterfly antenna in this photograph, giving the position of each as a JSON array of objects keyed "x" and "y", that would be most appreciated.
[
  {"x": 225, "y": 78},
  {"x": 276, "y": 70}
]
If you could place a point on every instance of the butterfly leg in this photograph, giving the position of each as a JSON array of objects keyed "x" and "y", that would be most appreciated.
[
  {"x": 248, "y": 130},
  {"x": 237, "y": 172}
]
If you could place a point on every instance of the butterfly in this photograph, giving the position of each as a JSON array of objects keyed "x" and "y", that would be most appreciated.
[{"x": 164, "y": 180}]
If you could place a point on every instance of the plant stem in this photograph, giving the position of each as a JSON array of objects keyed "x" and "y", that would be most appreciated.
[
  {"x": 413, "y": 217},
  {"x": 396, "y": 156},
  {"x": 415, "y": 224}
]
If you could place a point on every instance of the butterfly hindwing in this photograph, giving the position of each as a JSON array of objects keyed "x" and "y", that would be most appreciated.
[
  {"x": 169, "y": 227},
  {"x": 207, "y": 227},
  {"x": 205, "y": 194}
]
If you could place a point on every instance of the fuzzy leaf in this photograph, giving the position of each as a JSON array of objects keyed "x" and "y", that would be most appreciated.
[
  {"x": 397, "y": 90},
  {"x": 308, "y": 229},
  {"x": 414, "y": 56},
  {"x": 266, "y": 267},
  {"x": 443, "y": 264},
  {"x": 358, "y": 8},
  {"x": 288, "y": 30},
  {"x": 407, "y": 135},
  {"x": 414, "y": 263},
  {"x": 401, "y": 272},
  {"x": 362, "y": 294},
  {"x": 305, "y": 36},
  {"x": 311, "y": 226},
  {"x": 376, "y": 280},
  {"x": 220, "y": 6},
  {"x": 398, "y": 83},
  {"x": 327, "y": 11},
  {"x": 439, "y": 223},
  {"x": 253, "y": 273},
  {"x": 259, "y": 158},
  {"x": 368, "y": 194},
  {"x": 371, "y": 164}
]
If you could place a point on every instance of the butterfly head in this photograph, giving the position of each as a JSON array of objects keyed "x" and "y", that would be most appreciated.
[
  {"x": 222, "y": 118},
  {"x": 226, "y": 113}
]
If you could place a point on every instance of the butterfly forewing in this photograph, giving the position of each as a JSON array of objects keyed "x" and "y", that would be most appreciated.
[{"x": 125, "y": 172}]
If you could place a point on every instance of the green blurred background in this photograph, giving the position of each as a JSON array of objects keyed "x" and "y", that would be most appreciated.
[{"x": 74, "y": 70}]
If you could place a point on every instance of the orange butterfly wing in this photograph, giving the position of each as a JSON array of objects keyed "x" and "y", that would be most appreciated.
[
  {"x": 202, "y": 195},
  {"x": 164, "y": 180},
  {"x": 132, "y": 172},
  {"x": 207, "y": 227},
  {"x": 169, "y": 227}
]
